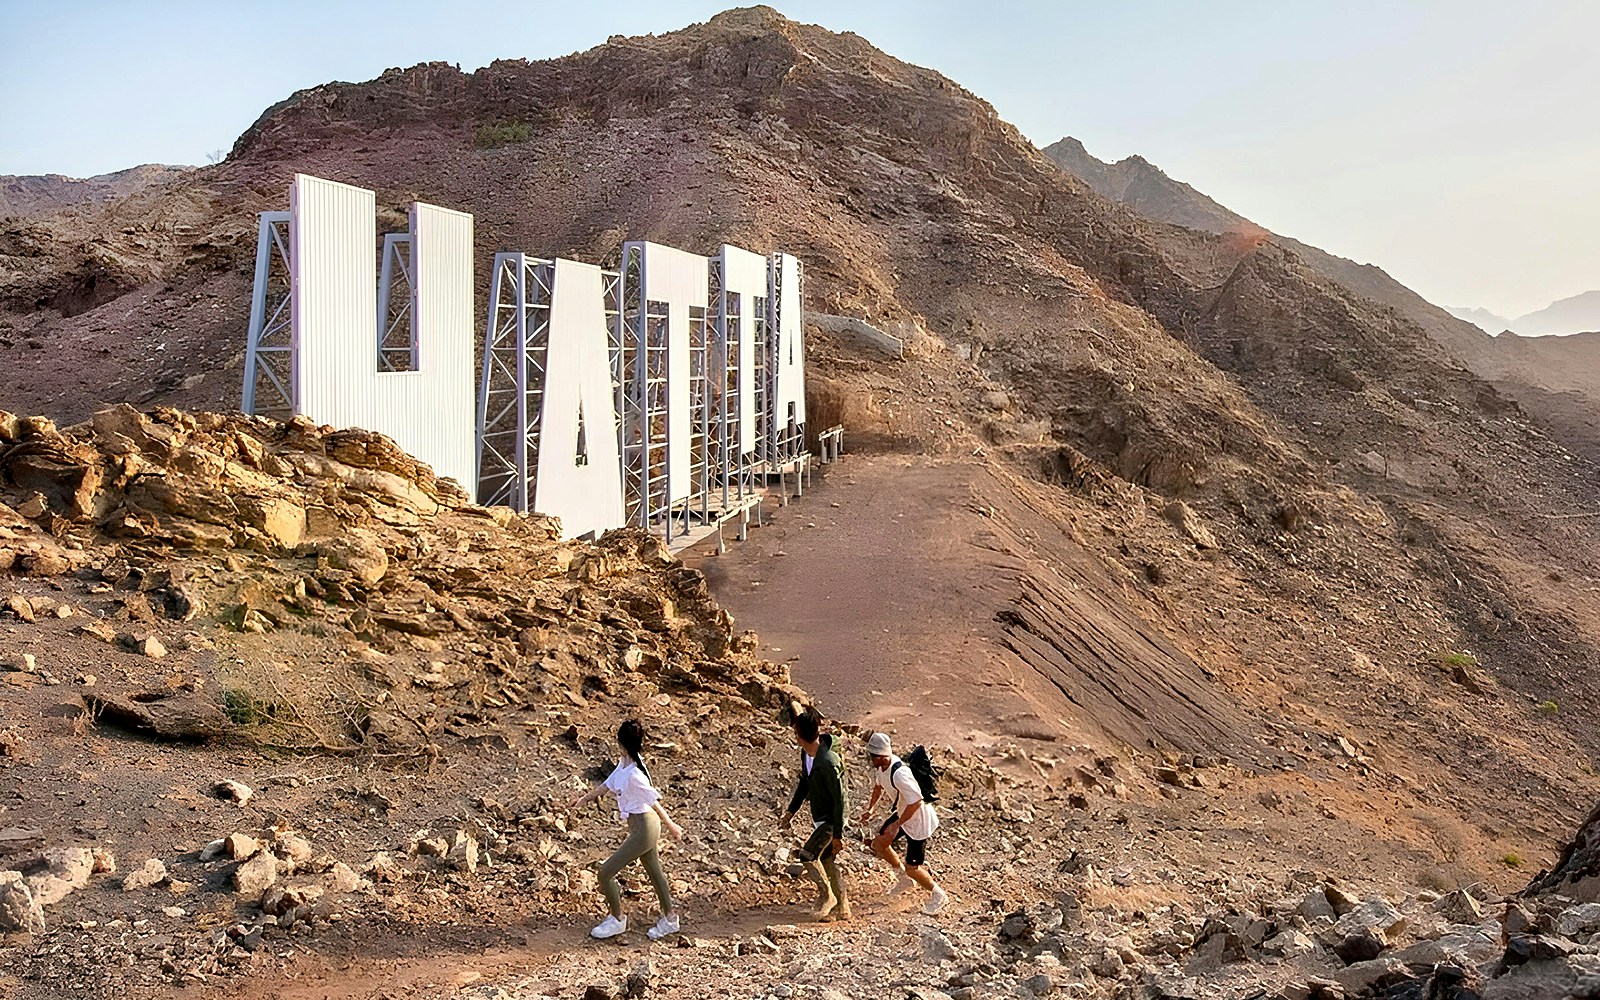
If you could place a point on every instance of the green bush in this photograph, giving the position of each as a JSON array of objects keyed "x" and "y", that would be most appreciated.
[
  {"x": 1511, "y": 859},
  {"x": 1549, "y": 707},
  {"x": 245, "y": 708},
  {"x": 493, "y": 135},
  {"x": 1455, "y": 658}
]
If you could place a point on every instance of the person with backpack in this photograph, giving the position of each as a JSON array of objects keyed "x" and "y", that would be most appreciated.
[
  {"x": 822, "y": 784},
  {"x": 909, "y": 786},
  {"x": 639, "y": 805}
]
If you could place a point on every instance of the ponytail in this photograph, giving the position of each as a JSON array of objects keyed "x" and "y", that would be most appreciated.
[{"x": 630, "y": 736}]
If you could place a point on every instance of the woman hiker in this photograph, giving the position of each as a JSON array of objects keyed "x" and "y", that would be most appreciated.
[{"x": 640, "y": 806}]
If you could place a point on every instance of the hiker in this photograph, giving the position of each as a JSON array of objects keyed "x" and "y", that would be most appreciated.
[
  {"x": 640, "y": 807},
  {"x": 822, "y": 784},
  {"x": 911, "y": 818}
]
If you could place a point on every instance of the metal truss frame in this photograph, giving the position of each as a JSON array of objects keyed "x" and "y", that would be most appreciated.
[
  {"x": 516, "y": 340},
  {"x": 269, "y": 346},
  {"x": 513, "y": 372},
  {"x": 644, "y": 393},
  {"x": 397, "y": 335},
  {"x": 735, "y": 474}
]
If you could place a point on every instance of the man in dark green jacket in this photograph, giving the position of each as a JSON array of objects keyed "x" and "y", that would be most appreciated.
[{"x": 822, "y": 783}]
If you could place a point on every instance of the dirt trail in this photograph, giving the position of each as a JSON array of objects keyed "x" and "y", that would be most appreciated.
[
  {"x": 433, "y": 961},
  {"x": 914, "y": 589},
  {"x": 874, "y": 588}
]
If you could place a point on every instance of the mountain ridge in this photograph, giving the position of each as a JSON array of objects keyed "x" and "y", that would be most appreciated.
[
  {"x": 29, "y": 196},
  {"x": 1543, "y": 380},
  {"x": 1574, "y": 314}
]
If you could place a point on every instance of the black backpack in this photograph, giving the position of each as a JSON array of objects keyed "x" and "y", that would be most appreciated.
[{"x": 922, "y": 769}]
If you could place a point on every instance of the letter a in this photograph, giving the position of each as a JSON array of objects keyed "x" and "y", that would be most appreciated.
[{"x": 579, "y": 476}]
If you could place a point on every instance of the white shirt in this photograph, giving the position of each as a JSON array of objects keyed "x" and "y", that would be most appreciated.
[
  {"x": 807, "y": 762},
  {"x": 632, "y": 789},
  {"x": 900, "y": 788}
]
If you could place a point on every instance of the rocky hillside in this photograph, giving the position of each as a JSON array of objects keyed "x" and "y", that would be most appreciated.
[
  {"x": 1316, "y": 450},
  {"x": 313, "y": 719},
  {"x": 36, "y": 196},
  {"x": 1552, "y": 384}
]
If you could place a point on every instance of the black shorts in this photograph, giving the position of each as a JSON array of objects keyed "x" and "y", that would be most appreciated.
[{"x": 916, "y": 850}]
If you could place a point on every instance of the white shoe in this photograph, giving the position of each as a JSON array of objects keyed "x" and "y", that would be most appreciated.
[
  {"x": 610, "y": 927},
  {"x": 936, "y": 901},
  {"x": 666, "y": 925},
  {"x": 901, "y": 885}
]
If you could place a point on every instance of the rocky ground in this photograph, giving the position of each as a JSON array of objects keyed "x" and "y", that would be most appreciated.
[{"x": 287, "y": 716}]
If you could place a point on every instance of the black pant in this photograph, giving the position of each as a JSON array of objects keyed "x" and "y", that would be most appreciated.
[{"x": 819, "y": 844}]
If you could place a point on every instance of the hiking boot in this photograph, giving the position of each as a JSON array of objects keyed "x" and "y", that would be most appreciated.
[
  {"x": 901, "y": 885},
  {"x": 825, "y": 906},
  {"x": 666, "y": 925},
  {"x": 610, "y": 927},
  {"x": 936, "y": 901},
  {"x": 841, "y": 911}
]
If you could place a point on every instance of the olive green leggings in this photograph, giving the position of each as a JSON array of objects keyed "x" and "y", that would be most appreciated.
[{"x": 644, "y": 832}]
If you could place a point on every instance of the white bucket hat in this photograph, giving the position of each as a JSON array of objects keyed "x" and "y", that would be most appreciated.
[{"x": 878, "y": 746}]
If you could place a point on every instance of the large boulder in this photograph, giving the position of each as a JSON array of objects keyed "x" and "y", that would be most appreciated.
[
  {"x": 19, "y": 911},
  {"x": 67, "y": 869}
]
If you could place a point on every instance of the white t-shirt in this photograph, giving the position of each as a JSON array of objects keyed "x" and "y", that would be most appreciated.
[
  {"x": 632, "y": 789},
  {"x": 900, "y": 789}
]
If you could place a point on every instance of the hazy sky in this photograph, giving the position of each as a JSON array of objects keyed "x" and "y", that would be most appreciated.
[{"x": 1453, "y": 143}]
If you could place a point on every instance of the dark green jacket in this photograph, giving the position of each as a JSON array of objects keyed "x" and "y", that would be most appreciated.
[{"x": 824, "y": 787}]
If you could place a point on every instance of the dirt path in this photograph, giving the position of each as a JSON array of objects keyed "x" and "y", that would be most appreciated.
[
  {"x": 359, "y": 964},
  {"x": 878, "y": 591}
]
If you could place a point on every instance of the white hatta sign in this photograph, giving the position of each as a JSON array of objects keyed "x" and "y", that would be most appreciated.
[{"x": 659, "y": 395}]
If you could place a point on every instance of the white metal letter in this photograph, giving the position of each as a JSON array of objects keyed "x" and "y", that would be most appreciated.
[{"x": 579, "y": 481}]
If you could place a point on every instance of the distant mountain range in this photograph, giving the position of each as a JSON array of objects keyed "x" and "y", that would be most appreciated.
[
  {"x": 32, "y": 196},
  {"x": 1483, "y": 319},
  {"x": 1576, "y": 314}
]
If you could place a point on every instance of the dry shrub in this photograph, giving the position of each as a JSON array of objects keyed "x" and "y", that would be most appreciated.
[{"x": 293, "y": 706}]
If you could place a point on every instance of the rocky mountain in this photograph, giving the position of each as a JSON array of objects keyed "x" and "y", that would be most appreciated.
[
  {"x": 33, "y": 196},
  {"x": 1576, "y": 314},
  {"x": 1144, "y": 187},
  {"x": 1564, "y": 401},
  {"x": 1211, "y": 561}
]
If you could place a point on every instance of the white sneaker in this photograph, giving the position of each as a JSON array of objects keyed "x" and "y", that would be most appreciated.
[
  {"x": 901, "y": 885},
  {"x": 666, "y": 925},
  {"x": 936, "y": 901},
  {"x": 610, "y": 927}
]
